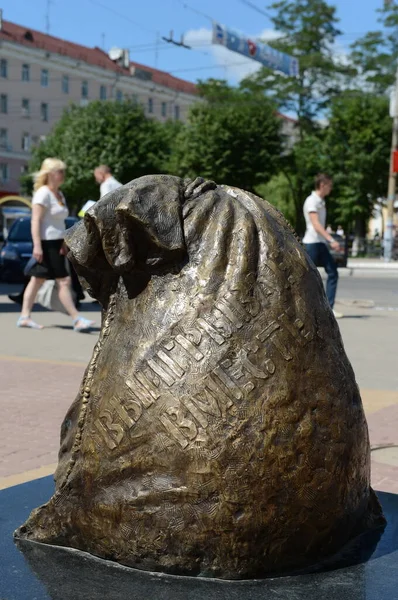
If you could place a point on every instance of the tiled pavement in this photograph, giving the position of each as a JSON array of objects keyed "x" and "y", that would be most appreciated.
[
  {"x": 384, "y": 443},
  {"x": 35, "y": 395}
]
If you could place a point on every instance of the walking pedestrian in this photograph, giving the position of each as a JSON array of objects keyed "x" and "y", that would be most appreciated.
[
  {"x": 316, "y": 237},
  {"x": 104, "y": 177},
  {"x": 49, "y": 211}
]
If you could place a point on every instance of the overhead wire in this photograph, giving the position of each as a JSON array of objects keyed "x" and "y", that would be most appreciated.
[
  {"x": 198, "y": 12},
  {"x": 255, "y": 7},
  {"x": 122, "y": 16}
]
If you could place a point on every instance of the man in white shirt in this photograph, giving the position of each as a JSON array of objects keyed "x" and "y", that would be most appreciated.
[
  {"x": 107, "y": 182},
  {"x": 317, "y": 238}
]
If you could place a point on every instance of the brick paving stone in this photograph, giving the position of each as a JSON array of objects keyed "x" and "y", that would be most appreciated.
[
  {"x": 384, "y": 477},
  {"x": 383, "y": 426},
  {"x": 34, "y": 398}
]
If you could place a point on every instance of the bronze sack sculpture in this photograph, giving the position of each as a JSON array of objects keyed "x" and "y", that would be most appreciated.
[{"x": 218, "y": 430}]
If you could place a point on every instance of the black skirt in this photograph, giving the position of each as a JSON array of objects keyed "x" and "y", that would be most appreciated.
[{"x": 53, "y": 265}]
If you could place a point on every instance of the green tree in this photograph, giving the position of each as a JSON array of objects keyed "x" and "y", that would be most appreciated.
[
  {"x": 114, "y": 133},
  {"x": 233, "y": 137},
  {"x": 375, "y": 55},
  {"x": 278, "y": 191},
  {"x": 308, "y": 31},
  {"x": 171, "y": 131},
  {"x": 356, "y": 151}
]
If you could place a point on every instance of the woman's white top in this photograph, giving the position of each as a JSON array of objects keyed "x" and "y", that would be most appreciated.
[{"x": 52, "y": 225}]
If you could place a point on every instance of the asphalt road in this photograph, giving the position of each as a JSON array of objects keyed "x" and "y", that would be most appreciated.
[
  {"x": 382, "y": 290},
  {"x": 370, "y": 333}
]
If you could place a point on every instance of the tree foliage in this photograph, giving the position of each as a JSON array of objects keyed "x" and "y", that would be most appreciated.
[
  {"x": 278, "y": 191},
  {"x": 308, "y": 30},
  {"x": 233, "y": 137},
  {"x": 114, "y": 133},
  {"x": 375, "y": 55},
  {"x": 356, "y": 150}
]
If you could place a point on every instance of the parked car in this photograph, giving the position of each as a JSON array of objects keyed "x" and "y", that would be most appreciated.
[
  {"x": 18, "y": 248},
  {"x": 340, "y": 256}
]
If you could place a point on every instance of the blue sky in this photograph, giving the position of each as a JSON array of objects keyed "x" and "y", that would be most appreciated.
[{"x": 137, "y": 24}]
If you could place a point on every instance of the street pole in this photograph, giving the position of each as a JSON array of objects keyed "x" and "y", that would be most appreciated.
[{"x": 392, "y": 181}]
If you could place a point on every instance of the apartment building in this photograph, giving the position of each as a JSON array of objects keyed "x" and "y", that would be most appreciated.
[{"x": 40, "y": 75}]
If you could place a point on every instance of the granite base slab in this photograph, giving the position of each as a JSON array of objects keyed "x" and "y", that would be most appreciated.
[{"x": 33, "y": 571}]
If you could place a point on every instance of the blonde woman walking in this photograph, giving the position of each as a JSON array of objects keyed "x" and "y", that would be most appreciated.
[{"x": 49, "y": 211}]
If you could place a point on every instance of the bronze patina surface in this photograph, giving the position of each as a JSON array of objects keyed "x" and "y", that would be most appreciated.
[{"x": 218, "y": 430}]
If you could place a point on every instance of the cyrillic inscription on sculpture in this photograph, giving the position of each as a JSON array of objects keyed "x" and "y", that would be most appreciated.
[{"x": 227, "y": 385}]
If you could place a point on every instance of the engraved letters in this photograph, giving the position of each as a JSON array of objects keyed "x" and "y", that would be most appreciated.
[{"x": 228, "y": 383}]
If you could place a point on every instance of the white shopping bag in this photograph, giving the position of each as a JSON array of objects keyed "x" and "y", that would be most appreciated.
[{"x": 48, "y": 296}]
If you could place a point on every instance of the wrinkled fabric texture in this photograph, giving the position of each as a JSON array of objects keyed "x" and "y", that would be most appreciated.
[{"x": 218, "y": 430}]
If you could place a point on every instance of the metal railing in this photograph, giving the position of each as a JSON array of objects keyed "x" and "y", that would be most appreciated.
[{"x": 368, "y": 248}]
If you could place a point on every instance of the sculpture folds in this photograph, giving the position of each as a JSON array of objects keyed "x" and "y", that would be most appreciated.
[{"x": 218, "y": 430}]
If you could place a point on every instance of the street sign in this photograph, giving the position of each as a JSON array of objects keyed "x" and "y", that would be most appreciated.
[
  {"x": 278, "y": 61},
  {"x": 395, "y": 162}
]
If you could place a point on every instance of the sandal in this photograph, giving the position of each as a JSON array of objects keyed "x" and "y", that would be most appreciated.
[
  {"x": 28, "y": 323},
  {"x": 85, "y": 324}
]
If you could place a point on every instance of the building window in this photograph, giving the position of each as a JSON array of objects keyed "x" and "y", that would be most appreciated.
[
  {"x": 84, "y": 89},
  {"x": 150, "y": 105},
  {"x": 164, "y": 109},
  {"x": 4, "y": 172},
  {"x": 44, "y": 111},
  {"x": 25, "y": 75},
  {"x": 176, "y": 112},
  {"x": 103, "y": 92},
  {"x": 25, "y": 107},
  {"x": 4, "y": 104},
  {"x": 65, "y": 84},
  {"x": 44, "y": 78},
  {"x": 119, "y": 95},
  {"x": 25, "y": 142},
  {"x": 24, "y": 169},
  {"x": 3, "y": 138},
  {"x": 3, "y": 68}
]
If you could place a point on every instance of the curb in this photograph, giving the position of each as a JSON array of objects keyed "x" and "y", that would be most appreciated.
[
  {"x": 376, "y": 265},
  {"x": 363, "y": 272}
]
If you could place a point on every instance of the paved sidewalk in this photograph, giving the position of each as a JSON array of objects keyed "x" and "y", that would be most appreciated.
[
  {"x": 40, "y": 372},
  {"x": 35, "y": 396}
]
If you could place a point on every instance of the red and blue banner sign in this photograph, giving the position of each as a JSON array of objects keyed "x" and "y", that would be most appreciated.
[{"x": 269, "y": 57}]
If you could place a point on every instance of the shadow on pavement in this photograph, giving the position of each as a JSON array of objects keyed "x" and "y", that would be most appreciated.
[
  {"x": 93, "y": 329},
  {"x": 12, "y": 307},
  {"x": 7, "y": 307},
  {"x": 345, "y": 317}
]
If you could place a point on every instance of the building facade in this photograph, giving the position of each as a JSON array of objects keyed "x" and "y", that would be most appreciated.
[{"x": 40, "y": 75}]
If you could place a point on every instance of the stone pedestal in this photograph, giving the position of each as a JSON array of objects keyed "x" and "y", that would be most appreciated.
[{"x": 38, "y": 572}]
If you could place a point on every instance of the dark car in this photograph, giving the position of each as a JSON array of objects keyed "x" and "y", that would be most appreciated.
[
  {"x": 18, "y": 249},
  {"x": 340, "y": 256}
]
